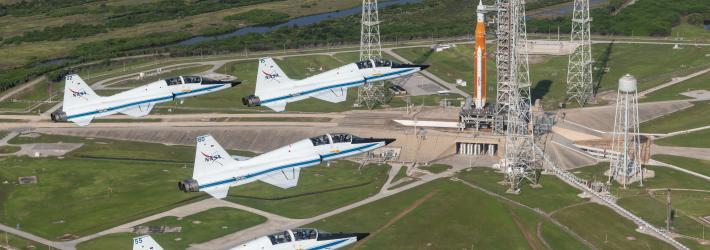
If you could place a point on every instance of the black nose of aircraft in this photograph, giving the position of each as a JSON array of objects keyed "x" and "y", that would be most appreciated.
[
  {"x": 361, "y": 236},
  {"x": 423, "y": 67},
  {"x": 388, "y": 141},
  {"x": 235, "y": 83}
]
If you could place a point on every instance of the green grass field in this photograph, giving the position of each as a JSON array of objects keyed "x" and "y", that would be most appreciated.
[
  {"x": 7, "y": 149},
  {"x": 701, "y": 82},
  {"x": 196, "y": 228},
  {"x": 454, "y": 216},
  {"x": 123, "y": 181},
  {"x": 320, "y": 189},
  {"x": 606, "y": 229},
  {"x": 400, "y": 174},
  {"x": 16, "y": 242},
  {"x": 548, "y": 73},
  {"x": 653, "y": 209},
  {"x": 436, "y": 168},
  {"x": 697, "y": 139},
  {"x": 693, "y": 117},
  {"x": 695, "y": 165},
  {"x": 554, "y": 194},
  {"x": 665, "y": 178},
  {"x": 651, "y": 206},
  {"x": 83, "y": 196},
  {"x": 688, "y": 31},
  {"x": 32, "y": 95}
]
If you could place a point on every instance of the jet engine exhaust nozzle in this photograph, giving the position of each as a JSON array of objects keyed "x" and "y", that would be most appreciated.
[
  {"x": 251, "y": 101},
  {"x": 59, "y": 116},
  {"x": 189, "y": 185}
]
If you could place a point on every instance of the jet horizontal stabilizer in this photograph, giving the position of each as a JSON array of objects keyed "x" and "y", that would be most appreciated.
[
  {"x": 334, "y": 95},
  {"x": 285, "y": 178}
]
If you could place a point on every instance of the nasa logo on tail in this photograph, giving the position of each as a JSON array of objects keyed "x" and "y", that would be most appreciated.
[
  {"x": 212, "y": 158},
  {"x": 78, "y": 93},
  {"x": 270, "y": 76}
]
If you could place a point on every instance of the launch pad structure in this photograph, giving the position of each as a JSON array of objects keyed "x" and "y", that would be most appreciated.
[
  {"x": 371, "y": 93},
  {"x": 511, "y": 114}
]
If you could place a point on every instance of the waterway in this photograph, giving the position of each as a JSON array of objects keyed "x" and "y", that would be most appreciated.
[{"x": 300, "y": 21}]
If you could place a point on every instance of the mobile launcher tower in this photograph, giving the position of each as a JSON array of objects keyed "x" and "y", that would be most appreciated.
[
  {"x": 477, "y": 113},
  {"x": 625, "y": 166}
]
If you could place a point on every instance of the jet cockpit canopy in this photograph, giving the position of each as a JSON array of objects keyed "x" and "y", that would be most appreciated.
[{"x": 375, "y": 63}]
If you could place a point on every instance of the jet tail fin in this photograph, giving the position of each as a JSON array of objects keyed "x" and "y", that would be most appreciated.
[
  {"x": 145, "y": 242},
  {"x": 269, "y": 77},
  {"x": 210, "y": 157},
  {"x": 77, "y": 92}
]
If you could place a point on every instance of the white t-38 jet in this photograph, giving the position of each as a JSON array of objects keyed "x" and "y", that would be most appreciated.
[
  {"x": 296, "y": 239},
  {"x": 302, "y": 238},
  {"x": 81, "y": 104},
  {"x": 215, "y": 170},
  {"x": 274, "y": 89}
]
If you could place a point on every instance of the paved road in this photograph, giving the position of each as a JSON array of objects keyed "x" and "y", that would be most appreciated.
[
  {"x": 663, "y": 164},
  {"x": 674, "y": 81},
  {"x": 236, "y": 238},
  {"x": 697, "y": 153},
  {"x": 22, "y": 87},
  {"x": 183, "y": 211},
  {"x": 29, "y": 236}
]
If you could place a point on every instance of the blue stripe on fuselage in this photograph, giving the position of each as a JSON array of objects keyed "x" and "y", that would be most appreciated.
[
  {"x": 340, "y": 85},
  {"x": 141, "y": 102},
  {"x": 292, "y": 165},
  {"x": 334, "y": 243}
]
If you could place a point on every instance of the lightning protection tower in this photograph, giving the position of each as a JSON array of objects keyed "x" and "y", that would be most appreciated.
[
  {"x": 625, "y": 166},
  {"x": 513, "y": 114},
  {"x": 370, "y": 94},
  {"x": 580, "y": 86}
]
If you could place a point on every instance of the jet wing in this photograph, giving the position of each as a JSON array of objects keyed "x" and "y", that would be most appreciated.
[
  {"x": 240, "y": 158},
  {"x": 83, "y": 121},
  {"x": 139, "y": 111},
  {"x": 333, "y": 95},
  {"x": 218, "y": 192},
  {"x": 285, "y": 178},
  {"x": 276, "y": 106}
]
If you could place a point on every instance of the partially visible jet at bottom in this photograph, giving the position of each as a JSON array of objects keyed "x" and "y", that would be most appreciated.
[
  {"x": 145, "y": 242},
  {"x": 302, "y": 238},
  {"x": 296, "y": 239}
]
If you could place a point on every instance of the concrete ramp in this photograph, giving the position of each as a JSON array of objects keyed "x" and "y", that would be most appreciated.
[
  {"x": 563, "y": 153},
  {"x": 602, "y": 118}
]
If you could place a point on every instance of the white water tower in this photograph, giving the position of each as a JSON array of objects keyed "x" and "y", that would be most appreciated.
[{"x": 625, "y": 159}]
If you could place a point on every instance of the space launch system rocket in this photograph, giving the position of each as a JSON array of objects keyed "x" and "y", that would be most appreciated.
[{"x": 479, "y": 74}]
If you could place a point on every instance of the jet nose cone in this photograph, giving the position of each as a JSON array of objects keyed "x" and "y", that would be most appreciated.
[
  {"x": 388, "y": 141},
  {"x": 423, "y": 67},
  {"x": 361, "y": 236},
  {"x": 235, "y": 83}
]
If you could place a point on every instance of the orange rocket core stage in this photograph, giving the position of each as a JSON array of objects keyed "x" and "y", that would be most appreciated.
[{"x": 479, "y": 70}]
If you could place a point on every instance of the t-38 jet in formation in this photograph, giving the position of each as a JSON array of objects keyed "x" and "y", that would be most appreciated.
[
  {"x": 274, "y": 89},
  {"x": 302, "y": 238},
  {"x": 215, "y": 170},
  {"x": 81, "y": 104}
]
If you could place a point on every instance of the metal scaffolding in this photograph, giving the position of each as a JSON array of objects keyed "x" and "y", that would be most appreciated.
[
  {"x": 513, "y": 115},
  {"x": 580, "y": 85},
  {"x": 371, "y": 93}
]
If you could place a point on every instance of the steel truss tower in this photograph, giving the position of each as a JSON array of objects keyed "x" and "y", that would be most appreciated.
[
  {"x": 625, "y": 164},
  {"x": 370, "y": 94},
  {"x": 513, "y": 114},
  {"x": 580, "y": 85}
]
